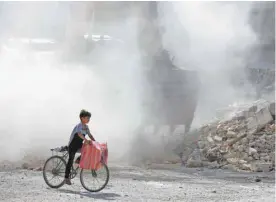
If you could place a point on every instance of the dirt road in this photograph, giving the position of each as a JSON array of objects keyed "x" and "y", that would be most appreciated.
[{"x": 138, "y": 184}]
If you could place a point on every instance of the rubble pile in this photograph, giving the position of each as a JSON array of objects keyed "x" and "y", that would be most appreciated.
[{"x": 244, "y": 142}]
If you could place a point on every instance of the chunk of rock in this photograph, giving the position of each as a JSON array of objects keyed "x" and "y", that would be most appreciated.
[
  {"x": 210, "y": 139},
  {"x": 239, "y": 144},
  {"x": 201, "y": 144},
  {"x": 272, "y": 109},
  {"x": 242, "y": 162},
  {"x": 264, "y": 117},
  {"x": 195, "y": 159},
  {"x": 261, "y": 167},
  {"x": 25, "y": 166},
  {"x": 245, "y": 166},
  {"x": 191, "y": 163},
  {"x": 38, "y": 169},
  {"x": 213, "y": 165},
  {"x": 231, "y": 134},
  {"x": 252, "y": 151},
  {"x": 230, "y": 167},
  {"x": 252, "y": 125},
  {"x": 218, "y": 138},
  {"x": 233, "y": 161}
]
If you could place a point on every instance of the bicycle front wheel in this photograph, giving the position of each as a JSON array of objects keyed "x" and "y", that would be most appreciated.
[
  {"x": 54, "y": 171},
  {"x": 95, "y": 180}
]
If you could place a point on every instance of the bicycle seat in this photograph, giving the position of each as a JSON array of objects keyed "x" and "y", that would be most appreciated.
[{"x": 60, "y": 149}]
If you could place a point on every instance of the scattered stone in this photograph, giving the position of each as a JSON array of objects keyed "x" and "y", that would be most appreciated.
[
  {"x": 194, "y": 163},
  {"x": 241, "y": 144},
  {"x": 210, "y": 139},
  {"x": 252, "y": 151},
  {"x": 230, "y": 167},
  {"x": 217, "y": 138},
  {"x": 272, "y": 109},
  {"x": 38, "y": 169},
  {"x": 261, "y": 167},
  {"x": 25, "y": 166},
  {"x": 201, "y": 144},
  {"x": 233, "y": 161},
  {"x": 264, "y": 117},
  {"x": 245, "y": 166},
  {"x": 213, "y": 165}
]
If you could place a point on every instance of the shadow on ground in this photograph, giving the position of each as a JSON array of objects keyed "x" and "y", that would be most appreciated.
[{"x": 100, "y": 195}]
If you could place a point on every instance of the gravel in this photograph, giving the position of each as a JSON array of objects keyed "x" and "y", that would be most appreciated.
[{"x": 145, "y": 184}]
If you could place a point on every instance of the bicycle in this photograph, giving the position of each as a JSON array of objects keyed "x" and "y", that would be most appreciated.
[{"x": 59, "y": 171}]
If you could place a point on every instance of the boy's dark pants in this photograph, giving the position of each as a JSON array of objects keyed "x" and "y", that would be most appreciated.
[{"x": 74, "y": 146}]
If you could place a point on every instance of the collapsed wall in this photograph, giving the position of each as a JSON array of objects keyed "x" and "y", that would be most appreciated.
[{"x": 243, "y": 141}]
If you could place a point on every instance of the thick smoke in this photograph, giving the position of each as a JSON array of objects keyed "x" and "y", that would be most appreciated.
[
  {"x": 213, "y": 38},
  {"x": 41, "y": 97}
]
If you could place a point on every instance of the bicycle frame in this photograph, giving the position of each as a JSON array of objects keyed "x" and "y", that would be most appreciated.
[
  {"x": 58, "y": 159},
  {"x": 65, "y": 156}
]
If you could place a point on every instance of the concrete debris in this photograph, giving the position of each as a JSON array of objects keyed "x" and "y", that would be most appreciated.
[
  {"x": 25, "y": 166},
  {"x": 246, "y": 141},
  {"x": 38, "y": 169}
]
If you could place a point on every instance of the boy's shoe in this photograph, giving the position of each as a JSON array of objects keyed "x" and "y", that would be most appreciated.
[{"x": 68, "y": 181}]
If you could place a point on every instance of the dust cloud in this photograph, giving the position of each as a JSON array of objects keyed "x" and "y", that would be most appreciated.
[
  {"x": 41, "y": 97},
  {"x": 213, "y": 38}
]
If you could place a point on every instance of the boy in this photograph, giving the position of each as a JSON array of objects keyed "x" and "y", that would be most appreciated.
[{"x": 76, "y": 140}]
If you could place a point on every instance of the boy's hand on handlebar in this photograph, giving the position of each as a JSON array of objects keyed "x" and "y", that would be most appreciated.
[{"x": 87, "y": 142}]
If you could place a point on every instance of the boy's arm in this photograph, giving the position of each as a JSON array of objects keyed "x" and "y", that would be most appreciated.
[
  {"x": 80, "y": 134},
  {"x": 83, "y": 138},
  {"x": 90, "y": 135}
]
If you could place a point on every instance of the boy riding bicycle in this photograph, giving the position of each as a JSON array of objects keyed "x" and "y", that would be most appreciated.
[{"x": 77, "y": 138}]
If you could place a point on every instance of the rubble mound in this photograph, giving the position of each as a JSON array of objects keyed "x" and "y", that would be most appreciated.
[{"x": 246, "y": 141}]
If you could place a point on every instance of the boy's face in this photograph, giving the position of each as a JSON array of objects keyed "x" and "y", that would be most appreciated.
[{"x": 85, "y": 120}]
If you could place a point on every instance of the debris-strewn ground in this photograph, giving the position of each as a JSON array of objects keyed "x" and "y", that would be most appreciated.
[
  {"x": 136, "y": 184},
  {"x": 245, "y": 141}
]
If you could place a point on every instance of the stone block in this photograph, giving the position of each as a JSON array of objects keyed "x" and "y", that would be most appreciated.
[
  {"x": 231, "y": 134},
  {"x": 218, "y": 138},
  {"x": 245, "y": 166},
  {"x": 252, "y": 125},
  {"x": 191, "y": 163},
  {"x": 252, "y": 151},
  {"x": 272, "y": 108},
  {"x": 261, "y": 167},
  {"x": 263, "y": 117}
]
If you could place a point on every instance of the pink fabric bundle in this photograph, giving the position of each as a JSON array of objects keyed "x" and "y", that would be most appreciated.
[{"x": 91, "y": 155}]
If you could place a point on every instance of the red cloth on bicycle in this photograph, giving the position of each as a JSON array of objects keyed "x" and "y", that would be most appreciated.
[
  {"x": 91, "y": 156},
  {"x": 104, "y": 152}
]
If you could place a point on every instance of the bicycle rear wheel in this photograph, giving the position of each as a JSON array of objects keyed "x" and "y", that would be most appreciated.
[
  {"x": 95, "y": 180},
  {"x": 54, "y": 171}
]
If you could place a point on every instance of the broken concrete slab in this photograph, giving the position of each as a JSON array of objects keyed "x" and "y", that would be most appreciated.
[
  {"x": 264, "y": 117},
  {"x": 261, "y": 167},
  {"x": 272, "y": 109}
]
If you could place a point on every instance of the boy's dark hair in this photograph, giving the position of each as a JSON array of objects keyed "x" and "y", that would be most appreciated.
[{"x": 85, "y": 113}]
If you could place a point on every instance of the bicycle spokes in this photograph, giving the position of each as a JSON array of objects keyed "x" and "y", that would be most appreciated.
[{"x": 94, "y": 174}]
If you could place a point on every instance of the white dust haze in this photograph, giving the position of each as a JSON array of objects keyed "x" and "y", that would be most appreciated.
[
  {"x": 40, "y": 98},
  {"x": 214, "y": 40}
]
